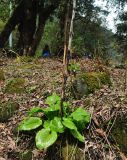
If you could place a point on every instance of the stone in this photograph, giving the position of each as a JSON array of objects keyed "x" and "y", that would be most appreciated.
[
  {"x": 15, "y": 85},
  {"x": 119, "y": 133},
  {"x": 27, "y": 155},
  {"x": 7, "y": 110},
  {"x": 87, "y": 83}
]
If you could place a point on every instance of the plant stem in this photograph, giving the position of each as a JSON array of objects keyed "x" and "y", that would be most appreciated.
[{"x": 65, "y": 63}]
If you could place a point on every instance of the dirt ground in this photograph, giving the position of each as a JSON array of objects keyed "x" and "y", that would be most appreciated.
[{"x": 43, "y": 77}]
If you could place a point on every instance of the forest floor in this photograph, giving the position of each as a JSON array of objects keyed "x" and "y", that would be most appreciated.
[{"x": 43, "y": 77}]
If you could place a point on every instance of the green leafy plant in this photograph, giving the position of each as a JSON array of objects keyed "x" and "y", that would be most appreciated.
[
  {"x": 52, "y": 124},
  {"x": 74, "y": 67}
]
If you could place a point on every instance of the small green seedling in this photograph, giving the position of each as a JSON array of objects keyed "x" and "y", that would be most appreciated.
[{"x": 74, "y": 67}]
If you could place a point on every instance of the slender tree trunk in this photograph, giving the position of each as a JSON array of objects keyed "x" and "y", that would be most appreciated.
[
  {"x": 65, "y": 57},
  {"x": 38, "y": 36},
  {"x": 10, "y": 26},
  {"x": 71, "y": 26}
]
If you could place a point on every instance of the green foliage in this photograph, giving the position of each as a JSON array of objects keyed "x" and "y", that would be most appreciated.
[
  {"x": 1, "y": 25},
  {"x": 45, "y": 138},
  {"x": 54, "y": 124},
  {"x": 74, "y": 67},
  {"x": 25, "y": 59},
  {"x": 80, "y": 115},
  {"x": 4, "y": 11},
  {"x": 91, "y": 37},
  {"x": 30, "y": 124},
  {"x": 34, "y": 111},
  {"x": 121, "y": 34}
]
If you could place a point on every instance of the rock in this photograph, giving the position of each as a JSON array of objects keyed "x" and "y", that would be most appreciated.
[
  {"x": 87, "y": 83},
  {"x": 7, "y": 110},
  {"x": 24, "y": 155},
  {"x": 15, "y": 85},
  {"x": 119, "y": 133},
  {"x": 120, "y": 66},
  {"x": 27, "y": 155},
  {"x": 2, "y": 76}
]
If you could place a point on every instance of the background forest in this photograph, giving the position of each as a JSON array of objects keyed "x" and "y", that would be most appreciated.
[{"x": 91, "y": 34}]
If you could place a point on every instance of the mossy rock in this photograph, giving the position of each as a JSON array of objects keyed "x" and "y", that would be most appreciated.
[
  {"x": 7, "y": 110},
  {"x": 87, "y": 83},
  {"x": 2, "y": 76},
  {"x": 23, "y": 155},
  {"x": 119, "y": 133},
  {"x": 15, "y": 85},
  {"x": 26, "y": 155}
]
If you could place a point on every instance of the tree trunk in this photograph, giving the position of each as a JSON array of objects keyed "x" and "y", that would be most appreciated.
[
  {"x": 25, "y": 16},
  {"x": 71, "y": 26},
  {"x": 27, "y": 26},
  {"x": 10, "y": 26},
  {"x": 44, "y": 14}
]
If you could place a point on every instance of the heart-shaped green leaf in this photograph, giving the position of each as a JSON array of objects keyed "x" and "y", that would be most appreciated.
[
  {"x": 67, "y": 122},
  {"x": 77, "y": 135},
  {"x": 30, "y": 123},
  {"x": 50, "y": 113},
  {"x": 53, "y": 99},
  {"x": 81, "y": 115},
  {"x": 35, "y": 110},
  {"x": 45, "y": 138},
  {"x": 56, "y": 125},
  {"x": 47, "y": 124}
]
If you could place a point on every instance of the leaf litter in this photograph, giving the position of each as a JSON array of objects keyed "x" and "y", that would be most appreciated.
[{"x": 45, "y": 77}]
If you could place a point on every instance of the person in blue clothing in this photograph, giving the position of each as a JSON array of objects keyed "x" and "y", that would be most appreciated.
[{"x": 46, "y": 51}]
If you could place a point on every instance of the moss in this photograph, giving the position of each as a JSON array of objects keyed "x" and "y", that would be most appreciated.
[
  {"x": 30, "y": 66},
  {"x": 87, "y": 83},
  {"x": 25, "y": 59},
  {"x": 2, "y": 76},
  {"x": 7, "y": 110},
  {"x": 104, "y": 78},
  {"x": 119, "y": 133},
  {"x": 15, "y": 85},
  {"x": 27, "y": 155}
]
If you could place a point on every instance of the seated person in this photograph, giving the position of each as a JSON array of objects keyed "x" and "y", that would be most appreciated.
[{"x": 46, "y": 51}]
